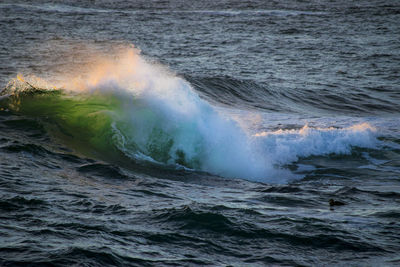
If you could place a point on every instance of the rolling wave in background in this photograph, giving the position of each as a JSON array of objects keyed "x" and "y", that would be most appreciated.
[{"x": 122, "y": 108}]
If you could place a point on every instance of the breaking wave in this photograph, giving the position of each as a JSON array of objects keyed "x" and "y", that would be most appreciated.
[{"x": 124, "y": 106}]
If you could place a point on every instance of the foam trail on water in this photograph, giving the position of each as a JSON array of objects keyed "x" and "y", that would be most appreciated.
[
  {"x": 159, "y": 117},
  {"x": 289, "y": 145}
]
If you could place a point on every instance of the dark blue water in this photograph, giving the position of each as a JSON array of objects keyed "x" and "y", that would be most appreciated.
[{"x": 219, "y": 143}]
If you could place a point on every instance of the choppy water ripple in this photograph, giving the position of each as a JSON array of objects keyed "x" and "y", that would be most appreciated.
[{"x": 316, "y": 82}]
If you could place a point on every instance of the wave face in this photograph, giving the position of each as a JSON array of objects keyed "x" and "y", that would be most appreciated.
[{"x": 125, "y": 107}]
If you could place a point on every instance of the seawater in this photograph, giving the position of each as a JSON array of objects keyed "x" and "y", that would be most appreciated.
[{"x": 154, "y": 133}]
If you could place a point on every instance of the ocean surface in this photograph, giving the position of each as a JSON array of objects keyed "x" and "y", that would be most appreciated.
[{"x": 199, "y": 133}]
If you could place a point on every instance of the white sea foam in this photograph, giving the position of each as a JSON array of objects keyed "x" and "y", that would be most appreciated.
[{"x": 288, "y": 145}]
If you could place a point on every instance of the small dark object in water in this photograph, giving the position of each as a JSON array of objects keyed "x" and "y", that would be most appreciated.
[{"x": 335, "y": 203}]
